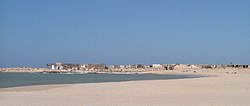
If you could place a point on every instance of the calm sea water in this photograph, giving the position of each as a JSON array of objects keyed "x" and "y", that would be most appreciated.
[{"x": 25, "y": 79}]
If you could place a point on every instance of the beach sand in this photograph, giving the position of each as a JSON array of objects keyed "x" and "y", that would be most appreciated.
[{"x": 220, "y": 89}]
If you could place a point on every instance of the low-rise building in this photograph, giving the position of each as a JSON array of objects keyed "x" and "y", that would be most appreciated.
[
  {"x": 121, "y": 66},
  {"x": 157, "y": 66},
  {"x": 97, "y": 66},
  {"x": 55, "y": 66}
]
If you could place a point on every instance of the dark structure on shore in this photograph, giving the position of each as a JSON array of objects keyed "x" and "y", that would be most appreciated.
[{"x": 237, "y": 66}]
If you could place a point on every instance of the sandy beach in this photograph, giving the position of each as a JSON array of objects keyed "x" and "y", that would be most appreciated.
[
  {"x": 222, "y": 88},
  {"x": 124, "y": 53}
]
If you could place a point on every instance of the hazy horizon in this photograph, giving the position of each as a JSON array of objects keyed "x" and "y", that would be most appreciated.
[{"x": 34, "y": 33}]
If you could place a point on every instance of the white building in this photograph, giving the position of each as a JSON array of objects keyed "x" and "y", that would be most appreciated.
[
  {"x": 122, "y": 66},
  {"x": 157, "y": 66},
  {"x": 55, "y": 66}
]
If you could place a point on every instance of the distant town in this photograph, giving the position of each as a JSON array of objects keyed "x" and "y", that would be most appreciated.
[
  {"x": 136, "y": 68},
  {"x": 68, "y": 66}
]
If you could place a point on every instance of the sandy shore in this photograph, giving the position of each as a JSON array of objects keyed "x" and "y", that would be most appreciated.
[{"x": 223, "y": 88}]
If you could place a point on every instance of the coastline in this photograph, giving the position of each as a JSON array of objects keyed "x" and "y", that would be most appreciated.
[{"x": 221, "y": 88}]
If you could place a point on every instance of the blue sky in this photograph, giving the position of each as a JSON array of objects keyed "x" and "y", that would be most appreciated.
[{"x": 37, "y": 32}]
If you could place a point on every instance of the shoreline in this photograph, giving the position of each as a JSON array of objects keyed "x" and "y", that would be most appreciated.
[
  {"x": 148, "y": 77},
  {"x": 220, "y": 88},
  {"x": 199, "y": 74}
]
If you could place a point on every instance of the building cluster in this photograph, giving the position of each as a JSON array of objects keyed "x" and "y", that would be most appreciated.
[{"x": 68, "y": 66}]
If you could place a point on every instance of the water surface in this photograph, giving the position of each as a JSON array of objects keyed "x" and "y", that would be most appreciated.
[{"x": 25, "y": 79}]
